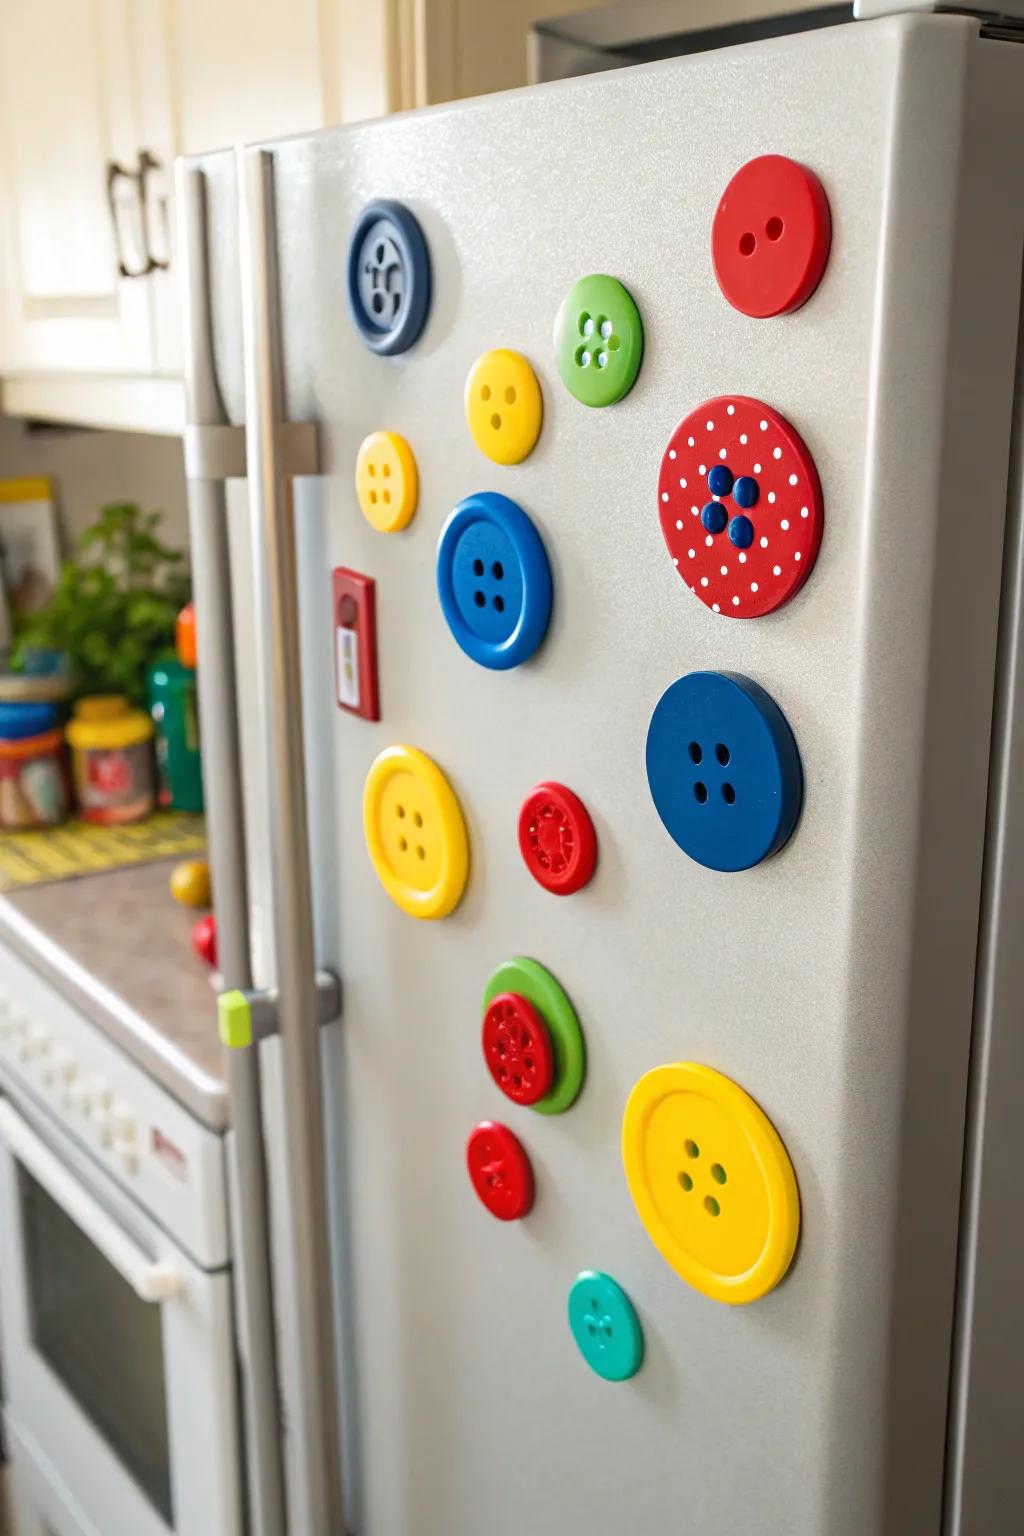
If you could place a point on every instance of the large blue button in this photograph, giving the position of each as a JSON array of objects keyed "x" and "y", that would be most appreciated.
[
  {"x": 388, "y": 277},
  {"x": 605, "y": 1326},
  {"x": 723, "y": 769},
  {"x": 493, "y": 580}
]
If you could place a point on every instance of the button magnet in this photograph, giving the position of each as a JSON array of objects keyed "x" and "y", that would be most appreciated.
[
  {"x": 599, "y": 340},
  {"x": 711, "y": 1181},
  {"x": 526, "y": 979},
  {"x": 557, "y": 839},
  {"x": 748, "y": 549},
  {"x": 770, "y": 237},
  {"x": 504, "y": 409},
  {"x": 388, "y": 277},
  {"x": 500, "y": 1170},
  {"x": 493, "y": 580},
  {"x": 605, "y": 1326},
  {"x": 415, "y": 833},
  {"x": 387, "y": 481}
]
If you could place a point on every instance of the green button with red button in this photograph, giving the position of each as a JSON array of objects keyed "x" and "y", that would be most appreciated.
[{"x": 599, "y": 340}]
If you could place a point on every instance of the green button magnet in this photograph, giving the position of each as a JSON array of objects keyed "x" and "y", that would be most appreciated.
[
  {"x": 599, "y": 340},
  {"x": 525, "y": 978}
]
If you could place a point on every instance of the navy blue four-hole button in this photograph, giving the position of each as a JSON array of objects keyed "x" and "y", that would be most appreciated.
[{"x": 723, "y": 769}]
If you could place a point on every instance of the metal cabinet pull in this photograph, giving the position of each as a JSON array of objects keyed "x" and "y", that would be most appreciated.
[
  {"x": 148, "y": 164},
  {"x": 138, "y": 200}
]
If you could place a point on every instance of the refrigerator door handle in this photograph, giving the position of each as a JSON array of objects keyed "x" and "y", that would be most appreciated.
[
  {"x": 212, "y": 450},
  {"x": 306, "y": 1311}
]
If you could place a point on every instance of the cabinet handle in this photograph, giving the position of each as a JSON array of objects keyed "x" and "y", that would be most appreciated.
[
  {"x": 147, "y": 165},
  {"x": 138, "y": 197},
  {"x": 116, "y": 174}
]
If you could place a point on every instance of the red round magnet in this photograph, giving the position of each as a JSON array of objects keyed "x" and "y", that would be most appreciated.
[
  {"x": 517, "y": 1048},
  {"x": 770, "y": 237},
  {"x": 557, "y": 839},
  {"x": 740, "y": 506},
  {"x": 500, "y": 1170}
]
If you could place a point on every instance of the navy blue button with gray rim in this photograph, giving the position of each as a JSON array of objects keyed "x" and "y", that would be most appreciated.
[
  {"x": 493, "y": 580},
  {"x": 723, "y": 769},
  {"x": 388, "y": 277}
]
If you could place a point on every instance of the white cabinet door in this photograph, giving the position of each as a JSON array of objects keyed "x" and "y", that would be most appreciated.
[{"x": 67, "y": 115}]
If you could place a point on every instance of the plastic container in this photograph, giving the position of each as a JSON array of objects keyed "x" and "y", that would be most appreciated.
[
  {"x": 33, "y": 781},
  {"x": 112, "y": 759},
  {"x": 172, "y": 703}
]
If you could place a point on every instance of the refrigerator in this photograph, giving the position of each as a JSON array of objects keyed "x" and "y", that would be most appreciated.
[{"x": 606, "y": 516}]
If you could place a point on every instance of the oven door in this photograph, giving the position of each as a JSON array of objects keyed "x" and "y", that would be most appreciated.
[{"x": 118, "y": 1358}]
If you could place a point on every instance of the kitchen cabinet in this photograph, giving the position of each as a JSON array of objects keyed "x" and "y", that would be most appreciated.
[
  {"x": 67, "y": 122},
  {"x": 98, "y": 97}
]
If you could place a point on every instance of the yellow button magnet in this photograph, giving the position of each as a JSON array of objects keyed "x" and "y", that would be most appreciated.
[
  {"x": 711, "y": 1180},
  {"x": 503, "y": 405},
  {"x": 387, "y": 481},
  {"x": 415, "y": 832}
]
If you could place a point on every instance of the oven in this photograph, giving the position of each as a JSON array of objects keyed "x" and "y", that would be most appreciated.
[{"x": 119, "y": 1374}]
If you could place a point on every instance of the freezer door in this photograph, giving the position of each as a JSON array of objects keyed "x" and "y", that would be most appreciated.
[{"x": 832, "y": 982}]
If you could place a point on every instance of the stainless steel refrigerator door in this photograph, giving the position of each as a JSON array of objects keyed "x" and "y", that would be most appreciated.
[{"x": 834, "y": 981}]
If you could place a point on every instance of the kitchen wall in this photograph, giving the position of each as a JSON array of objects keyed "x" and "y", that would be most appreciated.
[{"x": 91, "y": 468}]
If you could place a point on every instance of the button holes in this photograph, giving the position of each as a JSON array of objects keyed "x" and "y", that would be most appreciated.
[
  {"x": 586, "y": 324},
  {"x": 400, "y": 810},
  {"x": 747, "y": 244},
  {"x": 381, "y": 254},
  {"x": 695, "y": 752},
  {"x": 718, "y": 1173},
  {"x": 497, "y": 570},
  {"x": 700, "y": 793},
  {"x": 773, "y": 229},
  {"x": 496, "y": 422},
  {"x": 378, "y": 302},
  {"x": 417, "y": 819},
  {"x": 728, "y": 794},
  {"x": 686, "y": 1182},
  {"x": 386, "y": 497},
  {"x": 478, "y": 567},
  {"x": 385, "y": 470},
  {"x": 479, "y": 599},
  {"x": 517, "y": 1079},
  {"x": 592, "y": 1329},
  {"x": 601, "y": 359},
  {"x": 371, "y": 470},
  {"x": 403, "y": 844},
  {"x": 510, "y": 395},
  {"x": 712, "y": 1206},
  {"x": 604, "y": 325},
  {"x": 722, "y": 753},
  {"x": 485, "y": 392},
  {"x": 582, "y": 357},
  {"x": 373, "y": 498},
  {"x": 421, "y": 852},
  {"x": 499, "y": 603},
  {"x": 692, "y": 1149}
]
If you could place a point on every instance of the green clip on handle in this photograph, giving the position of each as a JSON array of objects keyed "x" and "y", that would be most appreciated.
[{"x": 234, "y": 1018}]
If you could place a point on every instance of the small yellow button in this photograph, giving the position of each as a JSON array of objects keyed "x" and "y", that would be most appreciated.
[
  {"x": 503, "y": 405},
  {"x": 711, "y": 1180},
  {"x": 387, "y": 481},
  {"x": 415, "y": 833}
]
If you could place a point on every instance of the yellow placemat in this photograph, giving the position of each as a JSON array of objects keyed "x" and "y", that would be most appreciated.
[{"x": 79, "y": 848}]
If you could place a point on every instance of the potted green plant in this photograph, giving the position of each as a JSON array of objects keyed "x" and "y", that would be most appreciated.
[{"x": 114, "y": 610}]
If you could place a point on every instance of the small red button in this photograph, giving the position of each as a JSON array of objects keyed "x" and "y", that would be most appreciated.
[
  {"x": 557, "y": 839},
  {"x": 500, "y": 1170},
  {"x": 740, "y": 506},
  {"x": 517, "y": 1048},
  {"x": 770, "y": 237}
]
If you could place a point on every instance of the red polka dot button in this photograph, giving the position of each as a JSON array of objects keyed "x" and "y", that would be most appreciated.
[
  {"x": 770, "y": 237},
  {"x": 740, "y": 505},
  {"x": 517, "y": 1048},
  {"x": 500, "y": 1170},
  {"x": 557, "y": 839}
]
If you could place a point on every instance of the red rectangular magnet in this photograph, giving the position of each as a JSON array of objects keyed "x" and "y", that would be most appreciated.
[{"x": 355, "y": 643}]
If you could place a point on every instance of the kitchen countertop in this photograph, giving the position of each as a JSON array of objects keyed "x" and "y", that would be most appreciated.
[{"x": 120, "y": 950}]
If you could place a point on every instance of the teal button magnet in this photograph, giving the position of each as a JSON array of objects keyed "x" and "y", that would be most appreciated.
[{"x": 605, "y": 1326}]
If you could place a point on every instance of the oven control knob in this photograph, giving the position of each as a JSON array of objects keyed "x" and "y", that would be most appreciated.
[
  {"x": 122, "y": 1121},
  {"x": 127, "y": 1154}
]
